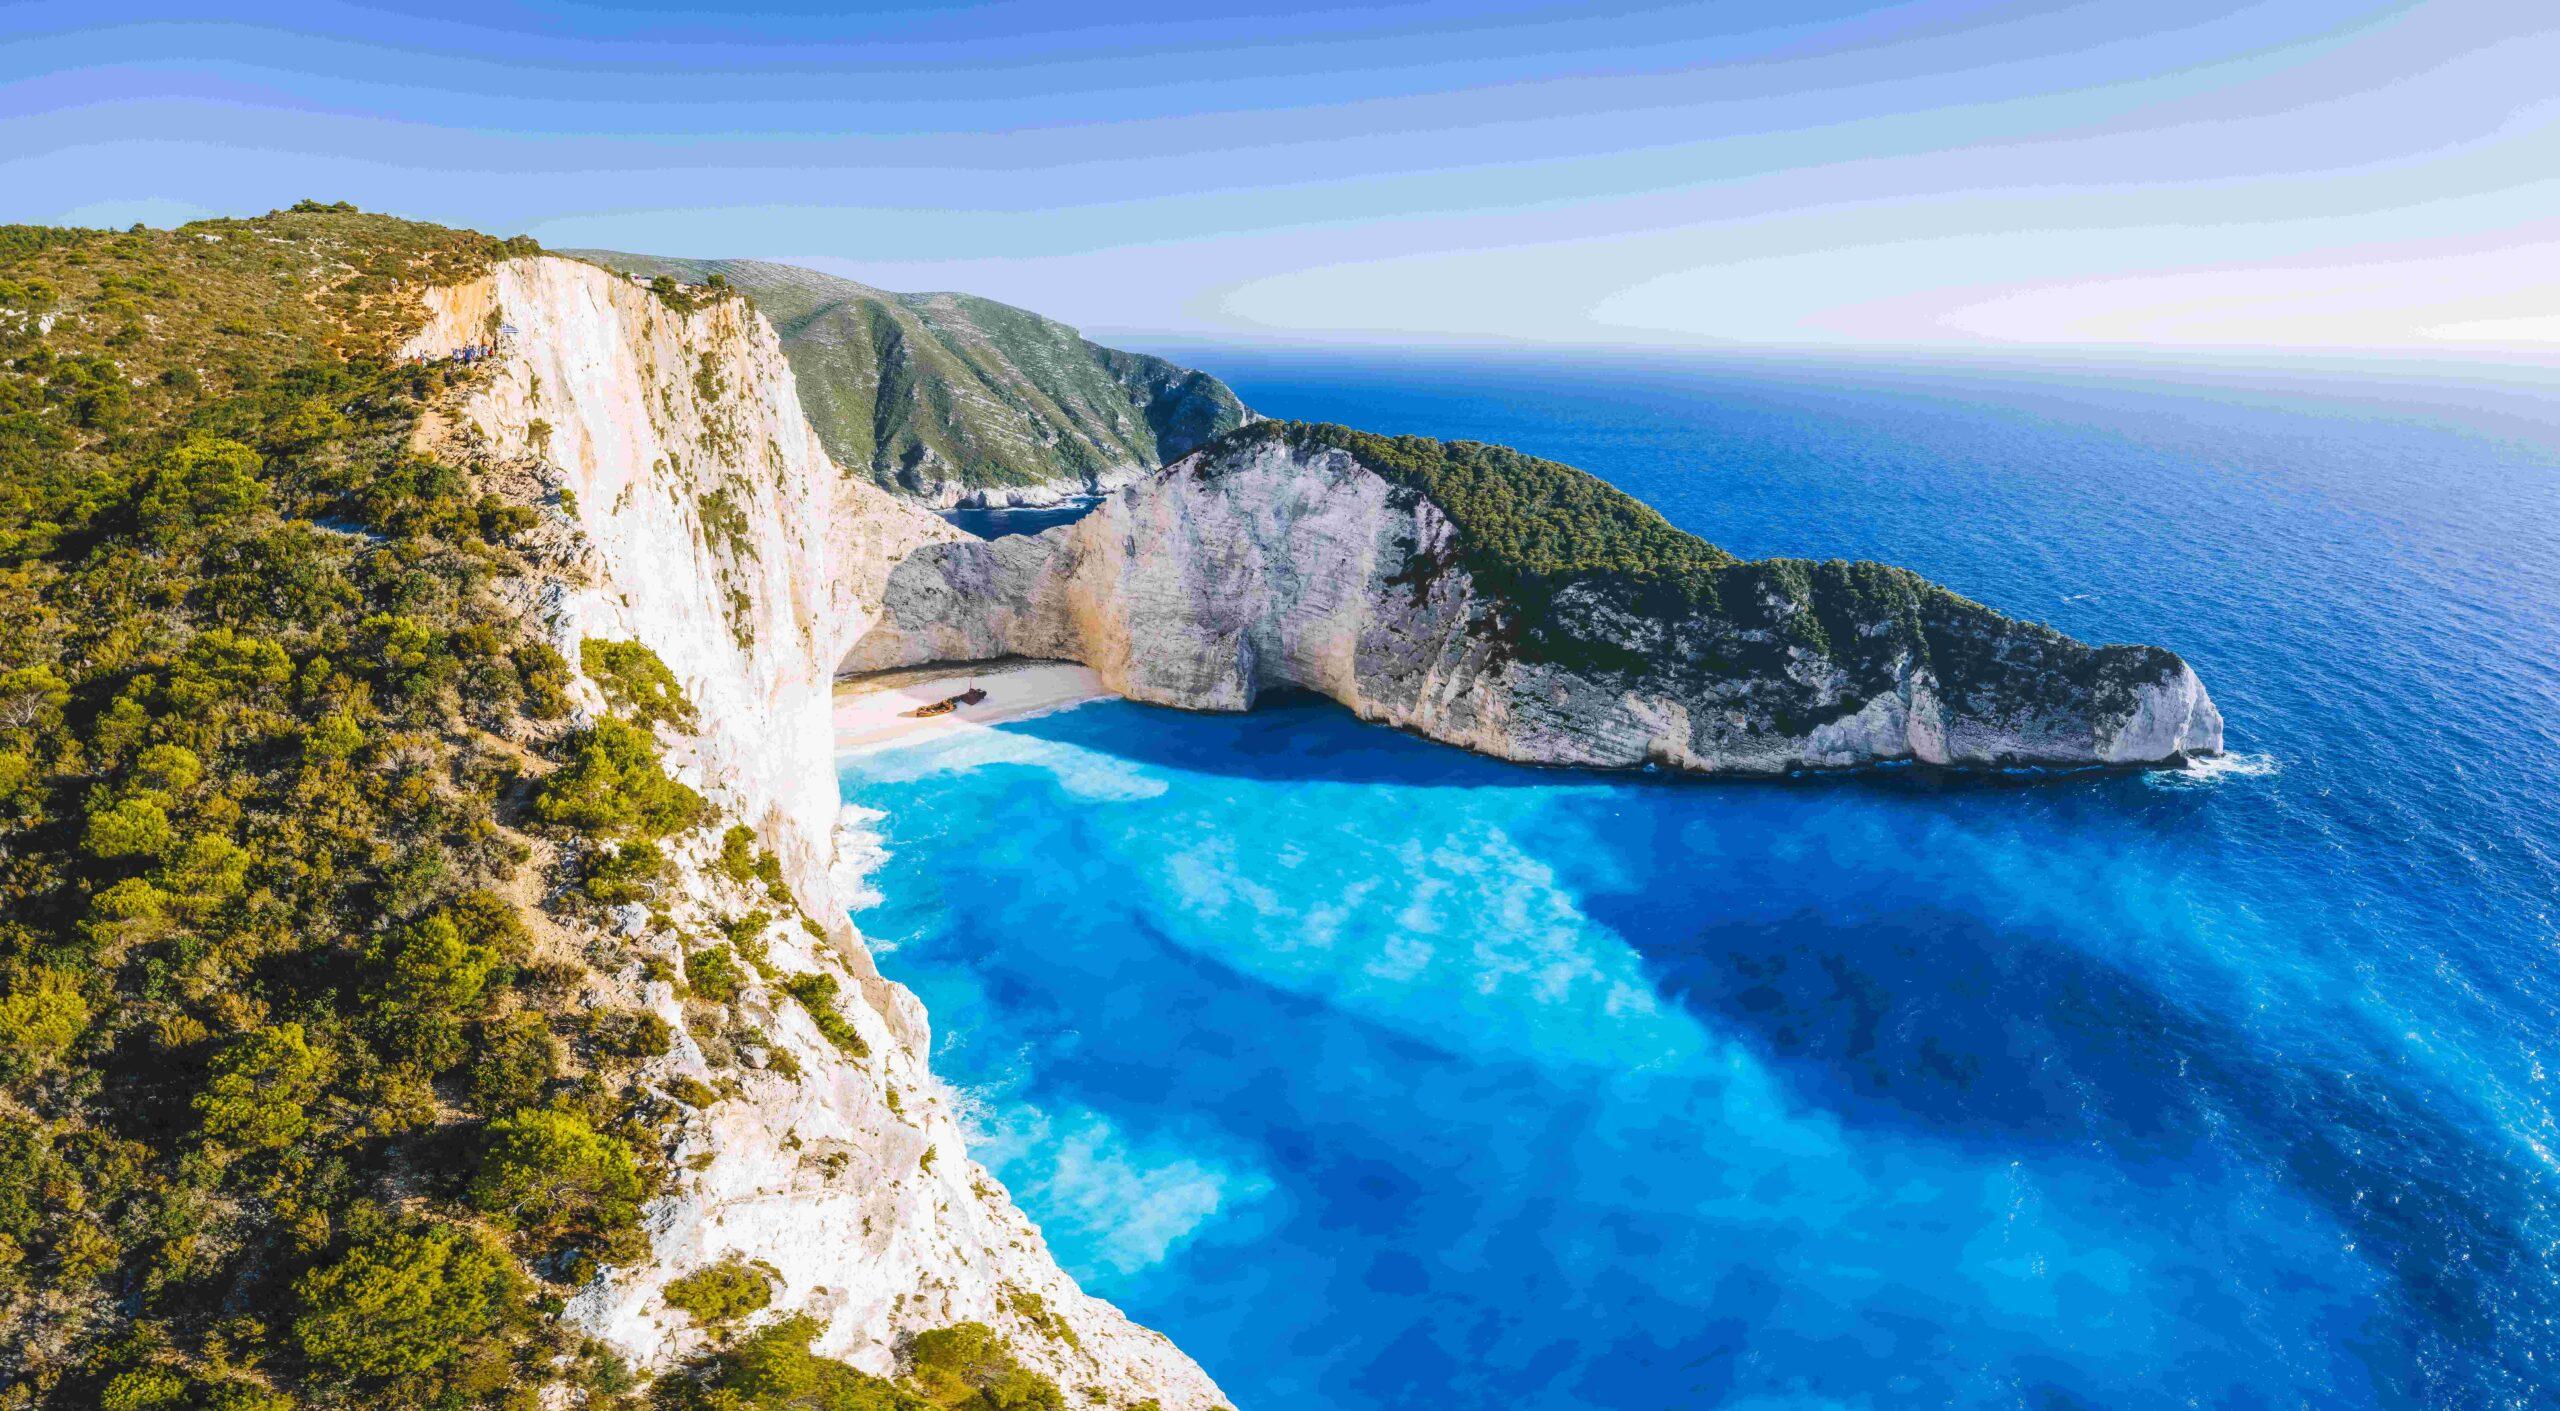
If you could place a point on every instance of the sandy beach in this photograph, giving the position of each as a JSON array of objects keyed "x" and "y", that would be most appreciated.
[{"x": 871, "y": 711}]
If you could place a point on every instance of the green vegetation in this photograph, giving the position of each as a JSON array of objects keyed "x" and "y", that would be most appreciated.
[
  {"x": 1526, "y": 527},
  {"x": 743, "y": 861},
  {"x": 965, "y": 1367},
  {"x": 914, "y": 388},
  {"x": 685, "y": 300},
  {"x": 1034, "y": 1310},
  {"x": 636, "y": 683},
  {"x": 718, "y": 1295},
  {"x": 401, "y": 1306},
  {"x": 1572, "y": 559},
  {"x": 294, "y": 1109},
  {"x": 817, "y": 995},
  {"x": 774, "y": 1370},
  {"x": 613, "y": 787},
  {"x": 713, "y": 974},
  {"x": 551, "y": 1173},
  {"x": 289, "y": 1108},
  {"x": 726, "y": 524}
]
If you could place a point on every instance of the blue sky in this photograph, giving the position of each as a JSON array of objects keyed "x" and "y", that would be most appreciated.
[{"x": 2168, "y": 173}]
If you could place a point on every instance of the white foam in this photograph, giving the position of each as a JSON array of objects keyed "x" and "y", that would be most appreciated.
[{"x": 2213, "y": 769}]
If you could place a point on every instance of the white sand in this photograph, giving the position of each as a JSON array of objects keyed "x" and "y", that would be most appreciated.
[{"x": 871, "y": 710}]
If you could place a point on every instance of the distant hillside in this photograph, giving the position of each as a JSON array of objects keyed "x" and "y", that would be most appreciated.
[{"x": 939, "y": 395}]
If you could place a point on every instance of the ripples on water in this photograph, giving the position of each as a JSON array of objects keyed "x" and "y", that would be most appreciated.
[{"x": 1383, "y": 1076}]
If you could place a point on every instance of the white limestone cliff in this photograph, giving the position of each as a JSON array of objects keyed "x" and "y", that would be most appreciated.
[
  {"x": 692, "y": 509},
  {"x": 1264, "y": 562},
  {"x": 948, "y": 493}
]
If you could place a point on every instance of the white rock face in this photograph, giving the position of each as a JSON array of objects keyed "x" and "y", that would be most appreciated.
[
  {"x": 1261, "y": 564},
  {"x": 949, "y": 494},
  {"x": 705, "y": 521}
]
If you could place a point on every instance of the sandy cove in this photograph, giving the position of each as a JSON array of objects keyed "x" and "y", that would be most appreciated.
[{"x": 871, "y": 710}]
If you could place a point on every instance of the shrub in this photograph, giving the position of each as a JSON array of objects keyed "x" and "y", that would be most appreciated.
[
  {"x": 629, "y": 1033},
  {"x": 550, "y": 1172},
  {"x": 773, "y": 1369},
  {"x": 713, "y": 973},
  {"x": 135, "y": 827},
  {"x": 260, "y": 1086},
  {"x": 171, "y": 769},
  {"x": 402, "y": 1305},
  {"x": 627, "y": 873},
  {"x": 515, "y": 1063},
  {"x": 636, "y": 682},
  {"x": 746, "y": 936},
  {"x": 336, "y": 736},
  {"x": 720, "y": 1294},
  {"x": 968, "y": 1365},
  {"x": 144, "y": 1389},
  {"x": 817, "y": 995},
  {"x": 429, "y": 964},
  {"x": 42, "y": 1013},
  {"x": 429, "y": 979},
  {"x": 206, "y": 479},
  {"x": 544, "y": 675},
  {"x": 692, "y": 1092},
  {"x": 742, "y": 861},
  {"x": 612, "y": 786},
  {"x": 411, "y": 658}
]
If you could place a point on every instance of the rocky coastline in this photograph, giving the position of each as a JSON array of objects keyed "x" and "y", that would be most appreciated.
[{"x": 1399, "y": 578}]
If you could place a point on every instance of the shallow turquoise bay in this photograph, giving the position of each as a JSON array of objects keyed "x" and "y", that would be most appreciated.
[{"x": 1379, "y": 1075}]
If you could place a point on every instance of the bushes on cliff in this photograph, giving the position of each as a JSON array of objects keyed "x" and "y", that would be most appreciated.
[
  {"x": 636, "y": 682},
  {"x": 718, "y": 1295},
  {"x": 743, "y": 861},
  {"x": 965, "y": 1367},
  {"x": 623, "y": 872},
  {"x": 773, "y": 1369},
  {"x": 551, "y": 1173},
  {"x": 612, "y": 786},
  {"x": 817, "y": 995},
  {"x": 713, "y": 974},
  {"x": 261, "y": 718},
  {"x": 398, "y": 1307}
]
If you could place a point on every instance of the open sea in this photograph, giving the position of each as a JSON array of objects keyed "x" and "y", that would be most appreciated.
[{"x": 1382, "y": 1076}]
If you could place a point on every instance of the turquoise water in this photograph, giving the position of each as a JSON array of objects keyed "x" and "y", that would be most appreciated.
[{"x": 1379, "y": 1075}]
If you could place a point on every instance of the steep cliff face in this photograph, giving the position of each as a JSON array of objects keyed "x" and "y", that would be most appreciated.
[
  {"x": 1546, "y": 619},
  {"x": 691, "y": 508},
  {"x": 953, "y": 399}
]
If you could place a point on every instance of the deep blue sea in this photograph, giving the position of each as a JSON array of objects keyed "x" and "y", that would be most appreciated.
[{"x": 1382, "y": 1076}]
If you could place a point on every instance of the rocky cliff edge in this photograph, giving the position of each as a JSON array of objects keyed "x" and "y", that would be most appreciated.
[
  {"x": 688, "y": 506},
  {"x": 1526, "y": 610}
]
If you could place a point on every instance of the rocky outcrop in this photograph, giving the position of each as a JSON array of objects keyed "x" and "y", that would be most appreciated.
[
  {"x": 690, "y": 507},
  {"x": 1524, "y": 610}
]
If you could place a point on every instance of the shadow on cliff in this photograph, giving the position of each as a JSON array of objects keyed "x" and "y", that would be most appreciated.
[
  {"x": 2004, "y": 1038},
  {"x": 1272, "y": 740}
]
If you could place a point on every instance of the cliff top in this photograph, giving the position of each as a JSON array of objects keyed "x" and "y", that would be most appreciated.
[{"x": 920, "y": 388}]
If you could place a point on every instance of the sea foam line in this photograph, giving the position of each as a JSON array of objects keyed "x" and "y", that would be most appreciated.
[{"x": 2213, "y": 769}]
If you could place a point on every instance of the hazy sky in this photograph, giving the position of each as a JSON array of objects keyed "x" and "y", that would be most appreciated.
[{"x": 2304, "y": 174}]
